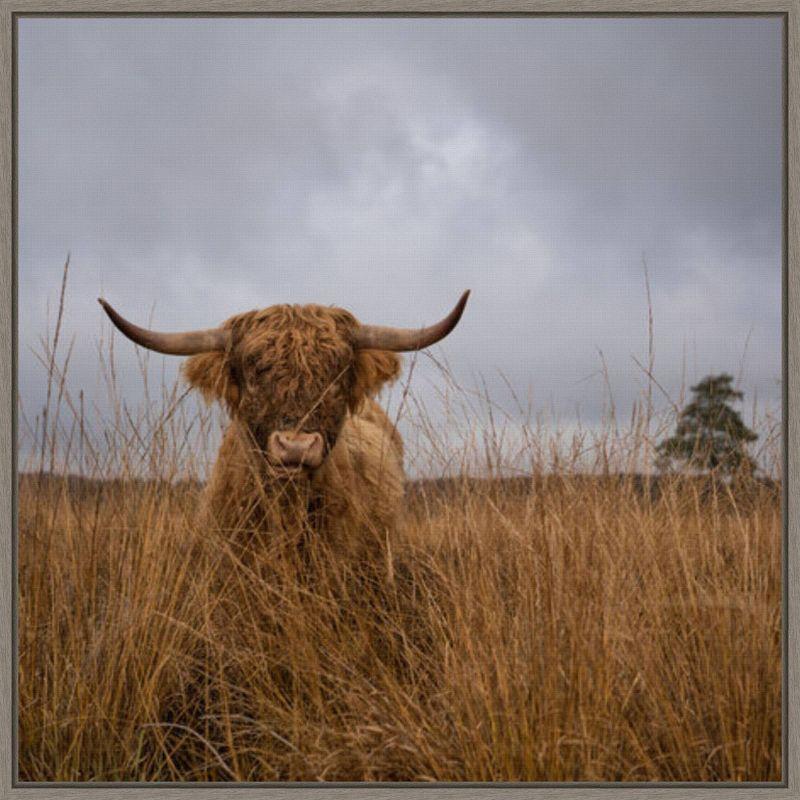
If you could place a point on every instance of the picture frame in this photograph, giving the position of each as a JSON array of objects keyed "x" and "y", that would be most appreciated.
[{"x": 12, "y": 10}]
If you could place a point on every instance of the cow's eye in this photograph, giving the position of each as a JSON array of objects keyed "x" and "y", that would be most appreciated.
[{"x": 256, "y": 370}]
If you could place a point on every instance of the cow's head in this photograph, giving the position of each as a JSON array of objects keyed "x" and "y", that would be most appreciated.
[{"x": 289, "y": 374}]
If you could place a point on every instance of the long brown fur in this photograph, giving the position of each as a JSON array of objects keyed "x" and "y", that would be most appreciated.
[{"x": 295, "y": 368}]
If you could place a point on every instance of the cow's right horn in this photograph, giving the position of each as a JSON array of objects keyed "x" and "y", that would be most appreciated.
[
  {"x": 378, "y": 337},
  {"x": 174, "y": 344}
]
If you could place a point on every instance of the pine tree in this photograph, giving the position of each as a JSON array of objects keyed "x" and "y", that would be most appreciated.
[{"x": 710, "y": 434}]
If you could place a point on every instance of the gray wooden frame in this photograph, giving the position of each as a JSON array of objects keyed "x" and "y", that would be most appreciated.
[{"x": 790, "y": 787}]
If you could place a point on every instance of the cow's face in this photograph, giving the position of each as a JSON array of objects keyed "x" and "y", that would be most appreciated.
[{"x": 289, "y": 374}]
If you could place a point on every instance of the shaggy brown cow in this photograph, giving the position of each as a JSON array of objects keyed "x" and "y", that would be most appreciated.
[{"x": 306, "y": 442}]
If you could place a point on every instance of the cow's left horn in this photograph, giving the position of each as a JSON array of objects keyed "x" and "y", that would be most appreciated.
[
  {"x": 377, "y": 337},
  {"x": 174, "y": 344}
]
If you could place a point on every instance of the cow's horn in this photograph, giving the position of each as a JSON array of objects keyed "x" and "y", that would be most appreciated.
[
  {"x": 174, "y": 344},
  {"x": 377, "y": 337}
]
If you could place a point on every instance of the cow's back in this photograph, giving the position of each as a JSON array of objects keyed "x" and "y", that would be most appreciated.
[{"x": 362, "y": 480}]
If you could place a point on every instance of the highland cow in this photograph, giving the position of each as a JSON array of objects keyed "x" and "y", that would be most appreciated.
[{"x": 307, "y": 447}]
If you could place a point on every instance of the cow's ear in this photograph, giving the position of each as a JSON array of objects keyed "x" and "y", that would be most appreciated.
[
  {"x": 212, "y": 375},
  {"x": 374, "y": 368}
]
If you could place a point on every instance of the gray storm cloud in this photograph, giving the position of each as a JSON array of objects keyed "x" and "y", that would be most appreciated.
[{"x": 196, "y": 168}]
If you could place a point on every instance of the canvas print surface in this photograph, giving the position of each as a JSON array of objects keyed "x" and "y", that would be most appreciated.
[{"x": 429, "y": 424}]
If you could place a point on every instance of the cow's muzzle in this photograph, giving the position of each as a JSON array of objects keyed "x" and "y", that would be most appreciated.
[{"x": 288, "y": 449}]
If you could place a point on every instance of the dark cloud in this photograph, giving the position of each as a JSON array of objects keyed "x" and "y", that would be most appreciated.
[{"x": 199, "y": 167}]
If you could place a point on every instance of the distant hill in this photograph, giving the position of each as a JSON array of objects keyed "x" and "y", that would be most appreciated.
[
  {"x": 81, "y": 486},
  {"x": 438, "y": 489}
]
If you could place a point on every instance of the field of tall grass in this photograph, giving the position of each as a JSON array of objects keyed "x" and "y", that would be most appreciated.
[{"x": 584, "y": 620}]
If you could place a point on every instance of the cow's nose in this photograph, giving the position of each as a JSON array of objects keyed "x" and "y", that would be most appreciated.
[{"x": 295, "y": 449}]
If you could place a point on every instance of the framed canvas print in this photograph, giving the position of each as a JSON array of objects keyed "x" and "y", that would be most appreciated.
[{"x": 430, "y": 432}]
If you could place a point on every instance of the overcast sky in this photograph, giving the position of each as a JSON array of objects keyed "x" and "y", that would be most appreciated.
[{"x": 197, "y": 168}]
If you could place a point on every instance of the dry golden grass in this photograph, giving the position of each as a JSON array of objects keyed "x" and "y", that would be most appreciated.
[
  {"x": 577, "y": 632},
  {"x": 575, "y": 624}
]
